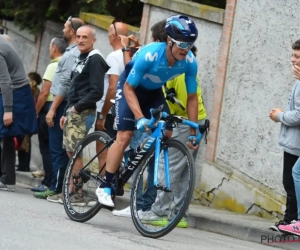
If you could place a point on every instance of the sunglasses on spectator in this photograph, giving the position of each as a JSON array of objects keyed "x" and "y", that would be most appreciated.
[
  {"x": 183, "y": 45},
  {"x": 113, "y": 23},
  {"x": 70, "y": 19}
]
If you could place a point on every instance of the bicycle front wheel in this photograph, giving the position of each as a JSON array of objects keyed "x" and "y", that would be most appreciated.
[
  {"x": 167, "y": 209},
  {"x": 82, "y": 177}
]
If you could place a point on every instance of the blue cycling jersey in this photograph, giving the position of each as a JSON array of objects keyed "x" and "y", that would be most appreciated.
[{"x": 150, "y": 70}]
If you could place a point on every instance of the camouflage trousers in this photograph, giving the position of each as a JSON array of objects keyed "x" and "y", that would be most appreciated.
[{"x": 76, "y": 127}]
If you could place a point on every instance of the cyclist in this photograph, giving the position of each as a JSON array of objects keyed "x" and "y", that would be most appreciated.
[{"x": 139, "y": 89}]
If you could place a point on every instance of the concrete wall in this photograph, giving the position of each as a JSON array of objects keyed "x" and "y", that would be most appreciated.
[
  {"x": 259, "y": 78},
  {"x": 246, "y": 172},
  {"x": 24, "y": 44}
]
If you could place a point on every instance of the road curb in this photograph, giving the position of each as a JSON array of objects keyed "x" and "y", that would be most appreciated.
[{"x": 245, "y": 233}]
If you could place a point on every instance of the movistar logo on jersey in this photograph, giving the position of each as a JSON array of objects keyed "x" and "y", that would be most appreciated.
[
  {"x": 189, "y": 58},
  {"x": 153, "y": 78},
  {"x": 150, "y": 57}
]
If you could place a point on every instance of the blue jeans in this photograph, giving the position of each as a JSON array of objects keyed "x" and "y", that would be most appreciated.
[
  {"x": 43, "y": 136},
  {"x": 146, "y": 199},
  {"x": 59, "y": 155},
  {"x": 296, "y": 177}
]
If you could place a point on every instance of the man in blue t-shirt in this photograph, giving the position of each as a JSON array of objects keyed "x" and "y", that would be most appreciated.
[{"x": 139, "y": 90}]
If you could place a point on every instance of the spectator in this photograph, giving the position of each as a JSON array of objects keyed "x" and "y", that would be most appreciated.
[
  {"x": 289, "y": 142},
  {"x": 16, "y": 107},
  {"x": 59, "y": 89},
  {"x": 289, "y": 138},
  {"x": 86, "y": 89},
  {"x": 56, "y": 49},
  {"x": 24, "y": 142}
]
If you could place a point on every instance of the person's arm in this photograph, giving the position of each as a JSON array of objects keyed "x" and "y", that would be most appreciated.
[
  {"x": 65, "y": 78},
  {"x": 111, "y": 94},
  {"x": 7, "y": 92},
  {"x": 289, "y": 118},
  {"x": 125, "y": 43},
  {"x": 98, "y": 68},
  {"x": 192, "y": 98},
  {"x": 6, "y": 85},
  {"x": 132, "y": 101},
  {"x": 45, "y": 91}
]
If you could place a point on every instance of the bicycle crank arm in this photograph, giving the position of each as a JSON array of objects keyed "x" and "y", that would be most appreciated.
[{"x": 162, "y": 188}]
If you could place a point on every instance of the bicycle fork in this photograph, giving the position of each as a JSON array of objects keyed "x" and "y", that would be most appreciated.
[{"x": 166, "y": 188}]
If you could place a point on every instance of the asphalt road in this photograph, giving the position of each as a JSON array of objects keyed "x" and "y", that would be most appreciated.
[{"x": 30, "y": 223}]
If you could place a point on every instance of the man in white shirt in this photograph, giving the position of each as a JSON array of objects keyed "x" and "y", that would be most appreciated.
[{"x": 115, "y": 60}]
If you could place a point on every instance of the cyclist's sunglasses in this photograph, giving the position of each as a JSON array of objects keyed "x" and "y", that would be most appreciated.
[
  {"x": 113, "y": 23},
  {"x": 183, "y": 45},
  {"x": 70, "y": 19}
]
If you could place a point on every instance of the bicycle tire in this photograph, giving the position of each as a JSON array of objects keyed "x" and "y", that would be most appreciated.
[
  {"x": 71, "y": 212},
  {"x": 191, "y": 170}
]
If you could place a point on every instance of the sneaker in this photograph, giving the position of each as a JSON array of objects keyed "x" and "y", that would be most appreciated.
[
  {"x": 142, "y": 213},
  {"x": 54, "y": 198},
  {"x": 45, "y": 194},
  {"x": 38, "y": 174},
  {"x": 293, "y": 228},
  {"x": 162, "y": 221},
  {"x": 277, "y": 224},
  {"x": 122, "y": 213},
  {"x": 150, "y": 217},
  {"x": 183, "y": 223},
  {"x": 77, "y": 200},
  {"x": 104, "y": 196},
  {"x": 40, "y": 188},
  {"x": 5, "y": 187}
]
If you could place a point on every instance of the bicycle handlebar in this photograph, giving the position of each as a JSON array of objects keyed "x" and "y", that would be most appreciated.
[{"x": 157, "y": 114}]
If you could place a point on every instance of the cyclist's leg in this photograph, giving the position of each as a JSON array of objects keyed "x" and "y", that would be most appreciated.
[
  {"x": 125, "y": 124},
  {"x": 109, "y": 121}
]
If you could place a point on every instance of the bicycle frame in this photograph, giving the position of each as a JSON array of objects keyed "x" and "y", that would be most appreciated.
[{"x": 155, "y": 139}]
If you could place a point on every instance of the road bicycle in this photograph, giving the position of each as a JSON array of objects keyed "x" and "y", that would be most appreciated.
[{"x": 174, "y": 190}]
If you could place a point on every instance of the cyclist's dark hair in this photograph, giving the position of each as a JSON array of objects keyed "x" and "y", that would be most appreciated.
[
  {"x": 296, "y": 45},
  {"x": 35, "y": 77},
  {"x": 194, "y": 50},
  {"x": 60, "y": 43},
  {"x": 158, "y": 31}
]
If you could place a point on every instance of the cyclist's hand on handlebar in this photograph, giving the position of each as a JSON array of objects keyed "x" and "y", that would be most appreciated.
[
  {"x": 192, "y": 144},
  {"x": 142, "y": 124}
]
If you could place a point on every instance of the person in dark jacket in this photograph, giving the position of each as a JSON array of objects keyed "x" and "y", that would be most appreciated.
[
  {"x": 87, "y": 86},
  {"x": 17, "y": 109}
]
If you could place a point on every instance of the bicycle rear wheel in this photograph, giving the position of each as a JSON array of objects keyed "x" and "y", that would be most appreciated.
[
  {"x": 169, "y": 207},
  {"x": 82, "y": 177}
]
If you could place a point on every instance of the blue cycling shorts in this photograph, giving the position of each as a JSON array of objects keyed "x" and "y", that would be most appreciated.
[{"x": 148, "y": 99}]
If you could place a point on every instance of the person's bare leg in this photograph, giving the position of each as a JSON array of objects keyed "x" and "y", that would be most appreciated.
[
  {"x": 78, "y": 165},
  {"x": 116, "y": 151},
  {"x": 113, "y": 160}
]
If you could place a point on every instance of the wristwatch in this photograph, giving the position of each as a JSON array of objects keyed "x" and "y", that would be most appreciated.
[
  {"x": 101, "y": 117},
  {"x": 126, "y": 49}
]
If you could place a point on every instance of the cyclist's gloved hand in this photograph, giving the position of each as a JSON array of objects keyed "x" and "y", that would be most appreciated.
[
  {"x": 142, "y": 124},
  {"x": 192, "y": 142}
]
